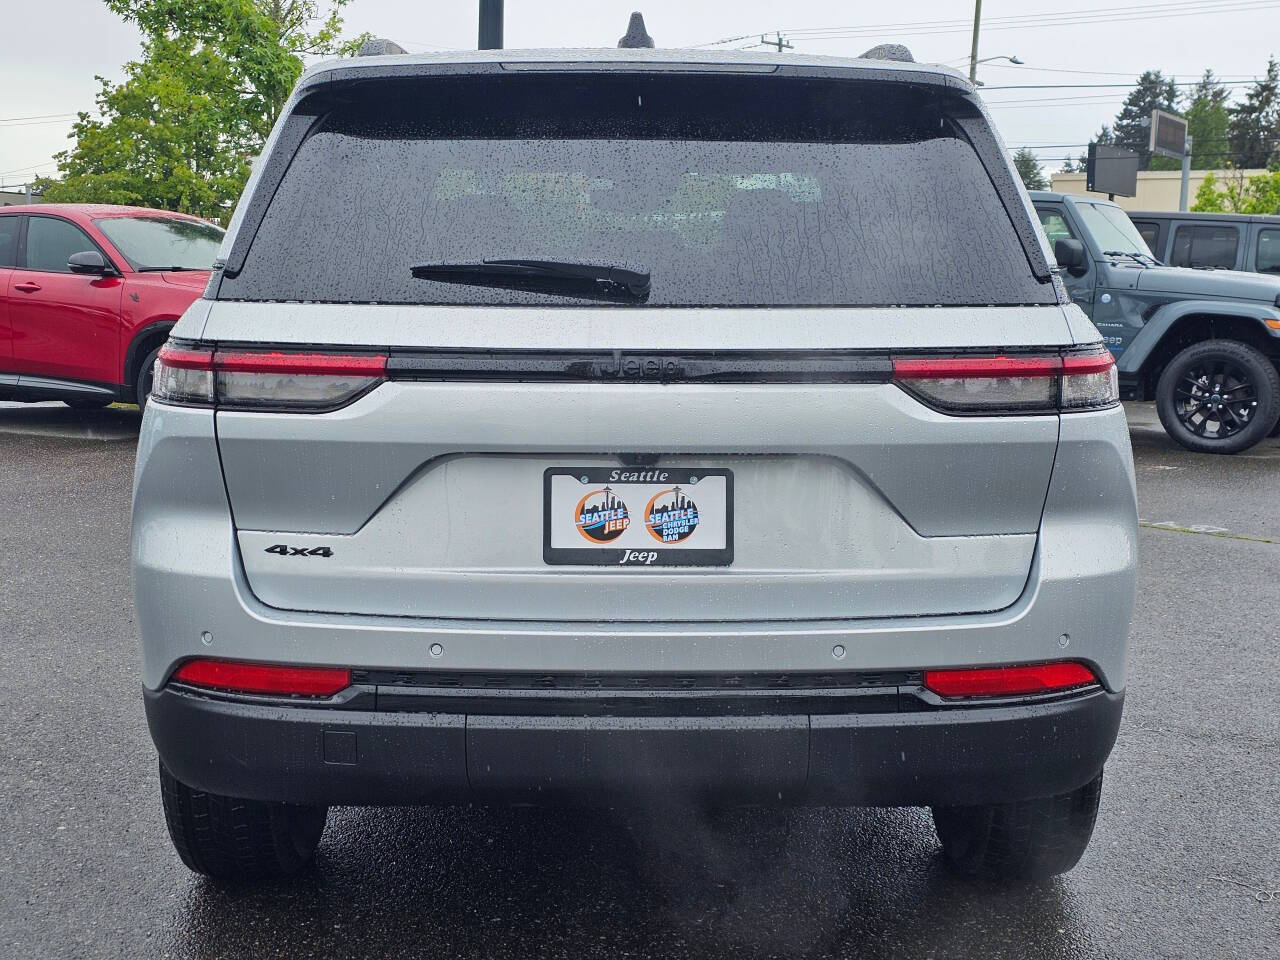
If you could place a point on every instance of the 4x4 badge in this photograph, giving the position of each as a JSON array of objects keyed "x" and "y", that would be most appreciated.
[{"x": 285, "y": 550}]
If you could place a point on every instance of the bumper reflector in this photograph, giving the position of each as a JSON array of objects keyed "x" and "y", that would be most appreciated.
[
  {"x": 236, "y": 677},
  {"x": 1009, "y": 681}
]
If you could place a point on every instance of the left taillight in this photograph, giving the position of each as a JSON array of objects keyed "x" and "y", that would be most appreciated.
[
  {"x": 183, "y": 375},
  {"x": 1055, "y": 676},
  {"x": 1014, "y": 384},
  {"x": 263, "y": 379}
]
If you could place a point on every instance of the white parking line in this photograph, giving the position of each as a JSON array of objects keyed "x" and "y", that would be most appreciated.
[{"x": 1204, "y": 529}]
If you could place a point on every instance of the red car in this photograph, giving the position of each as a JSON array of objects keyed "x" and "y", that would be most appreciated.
[{"x": 88, "y": 294}]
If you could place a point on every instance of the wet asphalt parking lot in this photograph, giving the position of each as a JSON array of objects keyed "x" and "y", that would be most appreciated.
[{"x": 1186, "y": 849}]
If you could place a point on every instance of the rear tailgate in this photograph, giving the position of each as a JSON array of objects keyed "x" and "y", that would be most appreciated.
[{"x": 850, "y": 499}]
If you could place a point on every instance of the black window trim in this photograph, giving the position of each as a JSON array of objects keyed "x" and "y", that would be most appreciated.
[{"x": 22, "y": 243}]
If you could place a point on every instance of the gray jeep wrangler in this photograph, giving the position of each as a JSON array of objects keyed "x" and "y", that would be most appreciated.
[{"x": 1203, "y": 344}]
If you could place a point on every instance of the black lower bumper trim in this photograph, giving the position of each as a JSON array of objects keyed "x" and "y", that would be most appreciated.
[{"x": 954, "y": 756}]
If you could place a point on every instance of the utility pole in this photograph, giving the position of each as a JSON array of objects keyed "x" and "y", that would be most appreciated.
[
  {"x": 973, "y": 51},
  {"x": 490, "y": 25},
  {"x": 777, "y": 42},
  {"x": 1186, "y": 176}
]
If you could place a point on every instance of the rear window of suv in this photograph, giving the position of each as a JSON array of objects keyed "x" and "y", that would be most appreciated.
[{"x": 727, "y": 190}]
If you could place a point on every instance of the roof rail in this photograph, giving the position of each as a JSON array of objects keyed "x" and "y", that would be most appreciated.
[
  {"x": 379, "y": 47},
  {"x": 889, "y": 51}
]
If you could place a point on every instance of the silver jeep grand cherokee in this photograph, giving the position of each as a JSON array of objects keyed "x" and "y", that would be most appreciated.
[{"x": 601, "y": 426}]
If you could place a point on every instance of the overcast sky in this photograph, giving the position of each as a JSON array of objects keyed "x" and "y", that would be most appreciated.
[{"x": 48, "y": 66}]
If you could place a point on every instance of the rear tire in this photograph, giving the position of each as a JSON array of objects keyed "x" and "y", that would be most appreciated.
[
  {"x": 1243, "y": 381},
  {"x": 79, "y": 404},
  {"x": 233, "y": 840},
  {"x": 1025, "y": 841},
  {"x": 142, "y": 384}
]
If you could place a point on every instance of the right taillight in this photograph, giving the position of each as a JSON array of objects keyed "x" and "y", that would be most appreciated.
[
  {"x": 1013, "y": 384},
  {"x": 297, "y": 381},
  {"x": 1089, "y": 381}
]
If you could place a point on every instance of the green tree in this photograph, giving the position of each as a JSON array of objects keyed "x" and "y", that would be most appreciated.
[
  {"x": 1028, "y": 167},
  {"x": 1255, "y": 123},
  {"x": 1208, "y": 124},
  {"x": 1209, "y": 198},
  {"x": 1078, "y": 165},
  {"x": 181, "y": 129},
  {"x": 1257, "y": 194},
  {"x": 1132, "y": 130}
]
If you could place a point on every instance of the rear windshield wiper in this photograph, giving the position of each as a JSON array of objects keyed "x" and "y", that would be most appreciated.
[{"x": 589, "y": 280}]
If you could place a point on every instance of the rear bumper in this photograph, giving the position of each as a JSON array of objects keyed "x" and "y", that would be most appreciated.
[{"x": 886, "y": 748}]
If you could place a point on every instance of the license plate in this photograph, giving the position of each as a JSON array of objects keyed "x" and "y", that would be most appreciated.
[{"x": 637, "y": 516}]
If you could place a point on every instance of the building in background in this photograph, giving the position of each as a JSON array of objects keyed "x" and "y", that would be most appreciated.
[
  {"x": 17, "y": 195},
  {"x": 1157, "y": 189}
]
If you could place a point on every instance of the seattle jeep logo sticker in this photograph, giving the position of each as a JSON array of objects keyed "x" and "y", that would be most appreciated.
[
  {"x": 671, "y": 516},
  {"x": 637, "y": 516},
  {"x": 601, "y": 516}
]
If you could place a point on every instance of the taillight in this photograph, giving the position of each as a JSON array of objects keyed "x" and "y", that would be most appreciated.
[
  {"x": 1089, "y": 381},
  {"x": 1011, "y": 384},
  {"x": 265, "y": 678},
  {"x": 1010, "y": 681},
  {"x": 272, "y": 380},
  {"x": 183, "y": 375}
]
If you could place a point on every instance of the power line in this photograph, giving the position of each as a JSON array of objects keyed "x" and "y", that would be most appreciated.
[
  {"x": 44, "y": 116},
  {"x": 1182, "y": 8},
  {"x": 1248, "y": 6},
  {"x": 1171, "y": 5},
  {"x": 33, "y": 123},
  {"x": 1096, "y": 73},
  {"x": 1107, "y": 86},
  {"x": 30, "y": 166},
  {"x": 1093, "y": 15}
]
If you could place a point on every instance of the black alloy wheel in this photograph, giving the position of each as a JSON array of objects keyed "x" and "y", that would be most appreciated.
[{"x": 1219, "y": 396}]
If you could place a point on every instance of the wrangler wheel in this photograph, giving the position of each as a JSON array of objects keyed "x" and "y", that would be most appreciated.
[{"x": 1219, "y": 396}]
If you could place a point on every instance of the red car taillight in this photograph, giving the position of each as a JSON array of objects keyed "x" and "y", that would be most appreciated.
[
  {"x": 246, "y": 379},
  {"x": 1010, "y": 681},
  {"x": 265, "y": 678},
  {"x": 1011, "y": 384}
]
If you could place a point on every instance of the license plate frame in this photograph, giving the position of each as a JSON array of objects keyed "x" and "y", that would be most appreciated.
[{"x": 638, "y": 543}]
